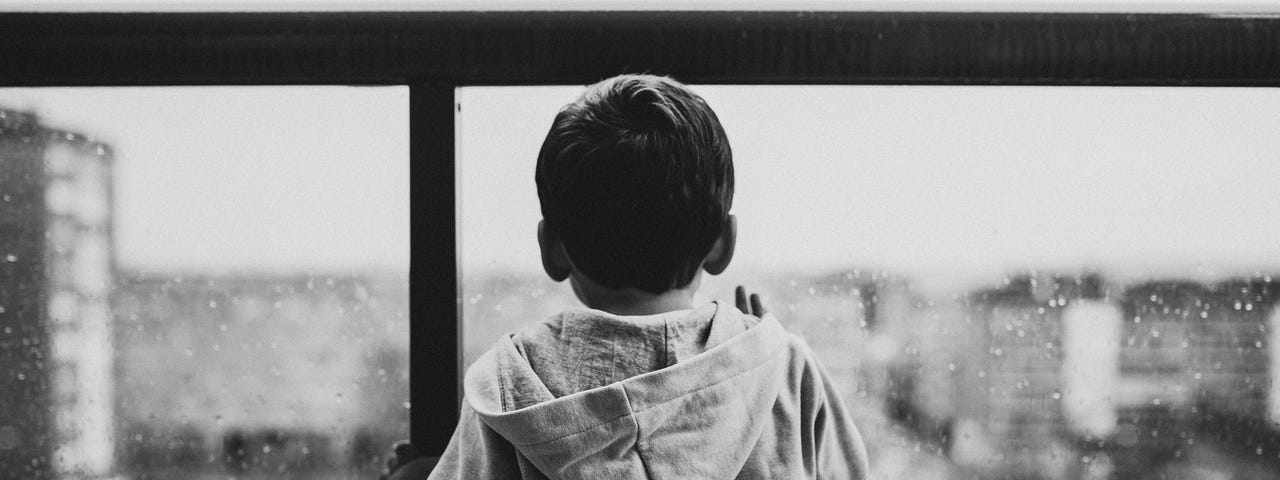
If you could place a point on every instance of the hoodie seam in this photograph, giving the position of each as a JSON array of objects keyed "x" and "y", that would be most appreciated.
[
  {"x": 502, "y": 386},
  {"x": 570, "y": 434},
  {"x": 772, "y": 358},
  {"x": 640, "y": 453}
]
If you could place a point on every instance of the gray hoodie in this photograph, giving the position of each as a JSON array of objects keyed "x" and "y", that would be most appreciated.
[{"x": 709, "y": 393}]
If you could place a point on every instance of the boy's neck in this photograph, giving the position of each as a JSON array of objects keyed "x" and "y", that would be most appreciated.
[{"x": 632, "y": 301}]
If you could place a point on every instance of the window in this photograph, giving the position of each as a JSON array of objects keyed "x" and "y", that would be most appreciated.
[
  {"x": 999, "y": 277},
  {"x": 433, "y": 53},
  {"x": 218, "y": 279}
]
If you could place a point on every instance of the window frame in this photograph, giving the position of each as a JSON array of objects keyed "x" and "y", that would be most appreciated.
[{"x": 434, "y": 53}]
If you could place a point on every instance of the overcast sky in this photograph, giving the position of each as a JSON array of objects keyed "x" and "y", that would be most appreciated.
[
  {"x": 248, "y": 178},
  {"x": 943, "y": 182},
  {"x": 931, "y": 182}
]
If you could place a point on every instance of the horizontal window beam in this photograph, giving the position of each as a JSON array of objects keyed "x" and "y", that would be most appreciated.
[{"x": 479, "y": 48}]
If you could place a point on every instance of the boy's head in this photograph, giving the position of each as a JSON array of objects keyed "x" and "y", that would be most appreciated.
[{"x": 636, "y": 181}]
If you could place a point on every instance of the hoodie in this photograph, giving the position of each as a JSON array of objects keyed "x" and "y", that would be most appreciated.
[{"x": 710, "y": 393}]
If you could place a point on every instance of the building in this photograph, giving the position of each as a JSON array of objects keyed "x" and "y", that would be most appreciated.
[
  {"x": 1027, "y": 389},
  {"x": 263, "y": 373},
  {"x": 1233, "y": 348},
  {"x": 1196, "y": 347},
  {"x": 55, "y": 292}
]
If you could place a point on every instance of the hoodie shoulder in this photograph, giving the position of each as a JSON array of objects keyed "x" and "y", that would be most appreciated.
[{"x": 756, "y": 400}]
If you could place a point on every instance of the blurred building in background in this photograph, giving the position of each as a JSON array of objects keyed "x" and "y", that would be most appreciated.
[
  {"x": 1065, "y": 377},
  {"x": 161, "y": 375},
  {"x": 56, "y": 354},
  {"x": 1009, "y": 407},
  {"x": 1195, "y": 369},
  {"x": 261, "y": 374}
]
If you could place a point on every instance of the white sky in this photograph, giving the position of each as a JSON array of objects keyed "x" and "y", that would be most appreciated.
[
  {"x": 932, "y": 182},
  {"x": 942, "y": 182},
  {"x": 248, "y": 178}
]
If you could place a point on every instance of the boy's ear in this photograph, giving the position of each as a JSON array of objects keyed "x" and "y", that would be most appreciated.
[
  {"x": 554, "y": 261},
  {"x": 722, "y": 251}
]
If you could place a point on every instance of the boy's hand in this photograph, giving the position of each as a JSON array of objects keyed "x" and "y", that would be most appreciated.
[{"x": 749, "y": 306}]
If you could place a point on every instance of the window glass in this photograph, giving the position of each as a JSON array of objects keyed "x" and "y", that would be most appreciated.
[
  {"x": 203, "y": 282},
  {"x": 1007, "y": 282}
]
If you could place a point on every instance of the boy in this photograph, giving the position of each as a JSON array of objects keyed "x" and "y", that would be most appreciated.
[{"x": 635, "y": 180}]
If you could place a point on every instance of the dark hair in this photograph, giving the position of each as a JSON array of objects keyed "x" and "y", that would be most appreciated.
[{"x": 636, "y": 176}]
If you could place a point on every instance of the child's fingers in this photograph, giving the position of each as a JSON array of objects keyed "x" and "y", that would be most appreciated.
[
  {"x": 740, "y": 299},
  {"x": 757, "y": 308}
]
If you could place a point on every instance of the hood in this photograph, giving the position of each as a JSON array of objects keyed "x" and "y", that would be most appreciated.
[{"x": 698, "y": 418}]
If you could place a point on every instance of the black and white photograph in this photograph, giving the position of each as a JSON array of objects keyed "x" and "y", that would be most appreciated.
[{"x": 615, "y": 239}]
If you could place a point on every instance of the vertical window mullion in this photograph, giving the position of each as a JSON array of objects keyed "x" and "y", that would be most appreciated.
[{"x": 434, "y": 334}]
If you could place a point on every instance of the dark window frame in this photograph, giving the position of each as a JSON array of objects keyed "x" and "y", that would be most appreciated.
[{"x": 433, "y": 53}]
